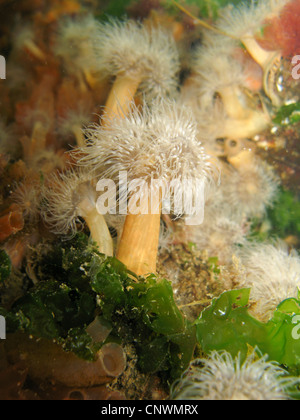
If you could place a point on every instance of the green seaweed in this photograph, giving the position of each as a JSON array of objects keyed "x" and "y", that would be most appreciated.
[
  {"x": 143, "y": 311},
  {"x": 5, "y": 266},
  {"x": 281, "y": 220},
  {"x": 227, "y": 325},
  {"x": 208, "y": 9},
  {"x": 115, "y": 8},
  {"x": 82, "y": 284},
  {"x": 288, "y": 115}
]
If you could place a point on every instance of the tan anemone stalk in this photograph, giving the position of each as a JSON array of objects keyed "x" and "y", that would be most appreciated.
[
  {"x": 70, "y": 197},
  {"x": 141, "y": 59},
  {"x": 157, "y": 143},
  {"x": 244, "y": 23},
  {"x": 217, "y": 74}
]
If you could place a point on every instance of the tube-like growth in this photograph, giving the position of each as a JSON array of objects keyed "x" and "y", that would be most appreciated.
[
  {"x": 11, "y": 222},
  {"x": 153, "y": 144},
  {"x": 47, "y": 361},
  {"x": 72, "y": 196},
  {"x": 141, "y": 59}
]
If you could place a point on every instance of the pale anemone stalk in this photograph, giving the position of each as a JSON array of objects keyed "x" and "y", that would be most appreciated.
[
  {"x": 214, "y": 122},
  {"x": 73, "y": 123},
  {"x": 141, "y": 59},
  {"x": 272, "y": 272},
  {"x": 244, "y": 22},
  {"x": 218, "y": 72},
  {"x": 220, "y": 377},
  {"x": 74, "y": 44},
  {"x": 155, "y": 144},
  {"x": 24, "y": 39},
  {"x": 70, "y": 197}
]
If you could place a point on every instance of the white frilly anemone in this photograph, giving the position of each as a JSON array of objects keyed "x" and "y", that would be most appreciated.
[
  {"x": 147, "y": 54},
  {"x": 70, "y": 197},
  {"x": 272, "y": 272},
  {"x": 222, "y": 377}
]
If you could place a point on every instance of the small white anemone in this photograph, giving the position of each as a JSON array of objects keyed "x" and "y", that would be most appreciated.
[
  {"x": 222, "y": 377},
  {"x": 218, "y": 236},
  {"x": 272, "y": 272},
  {"x": 75, "y": 43},
  {"x": 71, "y": 197},
  {"x": 25, "y": 38},
  {"x": 158, "y": 142},
  {"x": 27, "y": 196},
  {"x": 217, "y": 72},
  {"x": 251, "y": 190},
  {"x": 248, "y": 17},
  {"x": 244, "y": 22},
  {"x": 134, "y": 49},
  {"x": 62, "y": 196}
]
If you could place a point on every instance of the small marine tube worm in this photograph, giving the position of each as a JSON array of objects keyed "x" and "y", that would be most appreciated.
[
  {"x": 142, "y": 59},
  {"x": 67, "y": 198},
  {"x": 11, "y": 222},
  {"x": 46, "y": 361},
  {"x": 158, "y": 143},
  {"x": 272, "y": 272},
  {"x": 74, "y": 43},
  {"x": 222, "y": 377},
  {"x": 244, "y": 22},
  {"x": 113, "y": 359}
]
